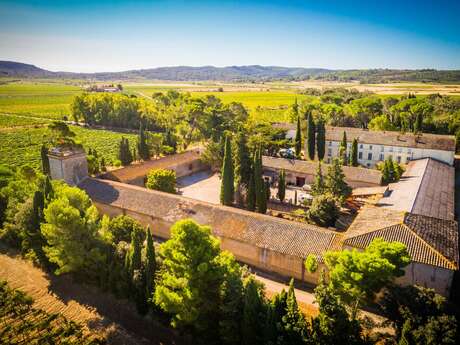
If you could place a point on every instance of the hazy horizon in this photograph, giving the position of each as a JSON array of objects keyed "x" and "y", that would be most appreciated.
[{"x": 103, "y": 36}]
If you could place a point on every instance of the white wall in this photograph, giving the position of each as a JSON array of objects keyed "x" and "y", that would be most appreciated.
[{"x": 380, "y": 153}]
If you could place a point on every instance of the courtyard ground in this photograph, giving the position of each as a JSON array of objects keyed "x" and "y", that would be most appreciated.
[{"x": 205, "y": 186}]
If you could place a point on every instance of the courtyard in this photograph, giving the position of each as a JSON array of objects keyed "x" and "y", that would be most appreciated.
[{"x": 205, "y": 186}]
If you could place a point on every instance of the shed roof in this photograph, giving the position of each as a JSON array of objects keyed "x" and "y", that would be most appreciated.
[
  {"x": 263, "y": 231},
  {"x": 308, "y": 167}
]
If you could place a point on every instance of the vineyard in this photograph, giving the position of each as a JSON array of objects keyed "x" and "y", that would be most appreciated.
[
  {"x": 20, "y": 146},
  {"x": 9, "y": 121},
  {"x": 21, "y": 323}
]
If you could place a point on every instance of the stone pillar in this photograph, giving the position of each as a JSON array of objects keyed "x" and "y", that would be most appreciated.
[{"x": 68, "y": 164}]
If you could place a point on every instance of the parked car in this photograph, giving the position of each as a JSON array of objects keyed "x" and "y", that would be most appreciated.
[{"x": 287, "y": 153}]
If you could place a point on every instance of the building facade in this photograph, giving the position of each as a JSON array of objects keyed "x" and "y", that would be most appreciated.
[{"x": 376, "y": 146}]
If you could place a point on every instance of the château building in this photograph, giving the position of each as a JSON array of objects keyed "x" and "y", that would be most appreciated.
[{"x": 376, "y": 146}]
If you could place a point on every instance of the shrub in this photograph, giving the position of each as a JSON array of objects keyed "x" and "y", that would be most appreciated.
[
  {"x": 324, "y": 210},
  {"x": 162, "y": 179}
]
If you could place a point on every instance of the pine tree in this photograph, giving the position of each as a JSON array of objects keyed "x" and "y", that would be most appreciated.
[
  {"x": 318, "y": 186},
  {"x": 142, "y": 146},
  {"x": 321, "y": 140},
  {"x": 343, "y": 149},
  {"x": 294, "y": 325},
  {"x": 281, "y": 185},
  {"x": 45, "y": 160},
  {"x": 251, "y": 198},
  {"x": 310, "y": 137},
  {"x": 335, "y": 181},
  {"x": 48, "y": 190},
  {"x": 298, "y": 139},
  {"x": 150, "y": 265},
  {"x": 227, "y": 188},
  {"x": 354, "y": 153},
  {"x": 242, "y": 160}
]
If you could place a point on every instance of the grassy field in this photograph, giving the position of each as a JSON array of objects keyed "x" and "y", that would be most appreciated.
[
  {"x": 19, "y": 146},
  {"x": 47, "y": 100}
]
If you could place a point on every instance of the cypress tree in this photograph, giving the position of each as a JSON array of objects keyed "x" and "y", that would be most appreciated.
[
  {"x": 48, "y": 190},
  {"x": 227, "y": 187},
  {"x": 38, "y": 206},
  {"x": 261, "y": 198},
  {"x": 103, "y": 166},
  {"x": 253, "y": 314},
  {"x": 45, "y": 160},
  {"x": 318, "y": 186},
  {"x": 354, "y": 153},
  {"x": 418, "y": 123},
  {"x": 282, "y": 185},
  {"x": 294, "y": 325},
  {"x": 251, "y": 196},
  {"x": 242, "y": 160},
  {"x": 298, "y": 139},
  {"x": 142, "y": 146},
  {"x": 310, "y": 137},
  {"x": 343, "y": 149},
  {"x": 133, "y": 259},
  {"x": 321, "y": 140},
  {"x": 150, "y": 265}
]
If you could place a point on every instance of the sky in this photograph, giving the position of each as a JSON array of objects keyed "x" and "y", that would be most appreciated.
[{"x": 98, "y": 36}]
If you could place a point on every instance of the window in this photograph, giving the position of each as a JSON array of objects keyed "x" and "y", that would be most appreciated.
[
  {"x": 398, "y": 159},
  {"x": 409, "y": 150},
  {"x": 400, "y": 150},
  {"x": 329, "y": 152},
  {"x": 370, "y": 147},
  {"x": 360, "y": 146},
  {"x": 360, "y": 155},
  {"x": 369, "y": 156},
  {"x": 382, "y": 157},
  {"x": 407, "y": 159},
  {"x": 382, "y": 148}
]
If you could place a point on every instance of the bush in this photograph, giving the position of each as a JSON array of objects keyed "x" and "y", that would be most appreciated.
[
  {"x": 324, "y": 210},
  {"x": 162, "y": 179}
]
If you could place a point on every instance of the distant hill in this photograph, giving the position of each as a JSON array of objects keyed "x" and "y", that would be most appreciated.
[{"x": 239, "y": 73}]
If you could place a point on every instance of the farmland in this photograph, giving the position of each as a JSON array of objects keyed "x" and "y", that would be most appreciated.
[
  {"x": 22, "y": 145},
  {"x": 47, "y": 100}
]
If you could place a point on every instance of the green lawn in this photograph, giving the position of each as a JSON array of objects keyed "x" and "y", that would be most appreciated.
[
  {"x": 22, "y": 145},
  {"x": 47, "y": 100}
]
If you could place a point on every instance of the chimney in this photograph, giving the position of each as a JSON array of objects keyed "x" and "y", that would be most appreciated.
[{"x": 68, "y": 164}]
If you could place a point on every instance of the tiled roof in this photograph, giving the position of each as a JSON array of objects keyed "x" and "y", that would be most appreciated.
[
  {"x": 388, "y": 138},
  {"x": 308, "y": 167},
  {"x": 429, "y": 240},
  {"x": 264, "y": 231},
  {"x": 427, "y": 187}
]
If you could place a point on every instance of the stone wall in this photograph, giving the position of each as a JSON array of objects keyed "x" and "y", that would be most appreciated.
[
  {"x": 261, "y": 258},
  {"x": 72, "y": 168},
  {"x": 183, "y": 164}
]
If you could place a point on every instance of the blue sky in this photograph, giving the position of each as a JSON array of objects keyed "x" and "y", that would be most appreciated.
[{"x": 93, "y": 36}]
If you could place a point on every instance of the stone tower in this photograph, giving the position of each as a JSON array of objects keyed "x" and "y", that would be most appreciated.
[{"x": 68, "y": 164}]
